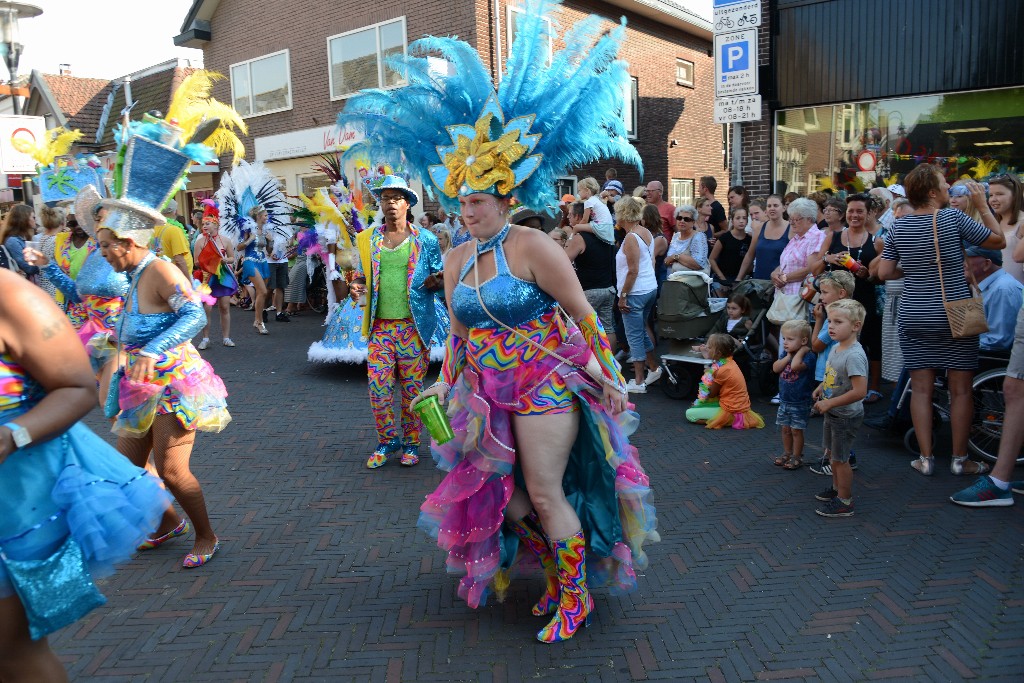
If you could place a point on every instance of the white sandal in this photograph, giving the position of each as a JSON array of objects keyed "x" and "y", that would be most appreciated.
[
  {"x": 924, "y": 464},
  {"x": 958, "y": 462}
]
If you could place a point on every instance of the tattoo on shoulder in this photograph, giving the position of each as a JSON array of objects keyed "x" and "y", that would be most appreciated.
[{"x": 51, "y": 329}]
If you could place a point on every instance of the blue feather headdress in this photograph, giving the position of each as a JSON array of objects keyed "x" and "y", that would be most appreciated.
[{"x": 456, "y": 131}]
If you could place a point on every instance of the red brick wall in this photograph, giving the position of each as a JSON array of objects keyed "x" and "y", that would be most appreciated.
[{"x": 245, "y": 30}]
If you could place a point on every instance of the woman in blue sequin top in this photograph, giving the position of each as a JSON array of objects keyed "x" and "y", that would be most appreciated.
[{"x": 167, "y": 391}]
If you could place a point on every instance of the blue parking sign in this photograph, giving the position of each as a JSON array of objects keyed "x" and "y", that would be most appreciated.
[{"x": 735, "y": 57}]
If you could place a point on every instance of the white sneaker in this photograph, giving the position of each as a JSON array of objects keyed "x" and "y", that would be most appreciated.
[
  {"x": 204, "y": 344},
  {"x": 633, "y": 388},
  {"x": 228, "y": 342},
  {"x": 775, "y": 400},
  {"x": 652, "y": 376}
]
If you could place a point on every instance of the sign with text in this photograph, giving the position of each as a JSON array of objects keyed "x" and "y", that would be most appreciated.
[
  {"x": 736, "y": 63},
  {"x": 31, "y": 129},
  {"x": 734, "y": 15},
  {"x": 735, "y": 109}
]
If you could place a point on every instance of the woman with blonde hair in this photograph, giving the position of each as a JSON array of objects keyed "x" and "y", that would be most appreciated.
[
  {"x": 53, "y": 222},
  {"x": 638, "y": 290}
]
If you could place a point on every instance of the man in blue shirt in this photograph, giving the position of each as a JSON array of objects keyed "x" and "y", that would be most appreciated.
[{"x": 1000, "y": 293}]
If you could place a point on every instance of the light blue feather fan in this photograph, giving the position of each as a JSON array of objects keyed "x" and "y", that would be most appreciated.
[{"x": 453, "y": 130}]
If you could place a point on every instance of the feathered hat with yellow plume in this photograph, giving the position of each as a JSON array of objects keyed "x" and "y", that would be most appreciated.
[
  {"x": 155, "y": 153},
  {"x": 61, "y": 175}
]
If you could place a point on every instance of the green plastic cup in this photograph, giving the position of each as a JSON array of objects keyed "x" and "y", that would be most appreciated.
[{"x": 435, "y": 420}]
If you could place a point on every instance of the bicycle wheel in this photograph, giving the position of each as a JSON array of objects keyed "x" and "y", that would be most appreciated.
[
  {"x": 989, "y": 409},
  {"x": 678, "y": 383},
  {"x": 316, "y": 291}
]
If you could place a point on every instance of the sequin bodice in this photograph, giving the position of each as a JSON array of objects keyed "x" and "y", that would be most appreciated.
[
  {"x": 138, "y": 329},
  {"x": 256, "y": 250},
  {"x": 97, "y": 278},
  {"x": 18, "y": 391},
  {"x": 510, "y": 299}
]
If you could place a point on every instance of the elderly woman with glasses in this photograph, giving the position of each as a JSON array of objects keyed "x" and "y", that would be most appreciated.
[
  {"x": 688, "y": 249},
  {"x": 799, "y": 257}
]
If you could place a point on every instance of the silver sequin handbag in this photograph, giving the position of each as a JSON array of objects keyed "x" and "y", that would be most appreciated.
[{"x": 56, "y": 591}]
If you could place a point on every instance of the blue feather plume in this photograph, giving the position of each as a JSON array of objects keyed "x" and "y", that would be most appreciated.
[{"x": 577, "y": 99}]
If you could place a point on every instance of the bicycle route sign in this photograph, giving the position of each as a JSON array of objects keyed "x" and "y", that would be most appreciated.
[
  {"x": 735, "y": 15},
  {"x": 736, "y": 63}
]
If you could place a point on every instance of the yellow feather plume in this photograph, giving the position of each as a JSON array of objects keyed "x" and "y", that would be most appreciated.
[
  {"x": 192, "y": 104},
  {"x": 327, "y": 212},
  {"x": 57, "y": 143},
  {"x": 825, "y": 183},
  {"x": 892, "y": 180},
  {"x": 984, "y": 168}
]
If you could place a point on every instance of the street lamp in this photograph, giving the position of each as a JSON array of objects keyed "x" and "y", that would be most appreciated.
[{"x": 10, "y": 46}]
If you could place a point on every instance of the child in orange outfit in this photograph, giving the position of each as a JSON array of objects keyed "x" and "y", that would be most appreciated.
[{"x": 722, "y": 399}]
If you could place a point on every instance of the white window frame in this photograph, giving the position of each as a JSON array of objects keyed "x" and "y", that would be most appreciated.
[
  {"x": 631, "y": 97},
  {"x": 380, "y": 60},
  {"x": 572, "y": 182},
  {"x": 693, "y": 76},
  {"x": 511, "y": 37},
  {"x": 248, "y": 64},
  {"x": 299, "y": 177},
  {"x": 676, "y": 198}
]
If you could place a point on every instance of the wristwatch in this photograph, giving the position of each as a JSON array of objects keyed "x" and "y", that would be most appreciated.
[{"x": 21, "y": 436}]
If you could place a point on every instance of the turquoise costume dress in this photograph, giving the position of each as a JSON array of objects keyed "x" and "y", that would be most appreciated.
[
  {"x": 343, "y": 340},
  {"x": 502, "y": 377},
  {"x": 184, "y": 385},
  {"x": 254, "y": 259},
  {"x": 72, "y": 485},
  {"x": 100, "y": 290}
]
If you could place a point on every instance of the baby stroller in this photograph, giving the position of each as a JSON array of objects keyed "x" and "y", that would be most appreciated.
[{"x": 685, "y": 316}]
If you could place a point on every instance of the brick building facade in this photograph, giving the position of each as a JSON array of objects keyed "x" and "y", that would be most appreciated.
[{"x": 674, "y": 132}]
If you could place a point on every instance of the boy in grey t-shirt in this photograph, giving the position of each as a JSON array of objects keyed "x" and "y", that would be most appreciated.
[{"x": 840, "y": 398}]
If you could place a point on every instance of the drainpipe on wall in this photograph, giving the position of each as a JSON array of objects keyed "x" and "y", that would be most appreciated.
[
  {"x": 497, "y": 39},
  {"x": 737, "y": 154}
]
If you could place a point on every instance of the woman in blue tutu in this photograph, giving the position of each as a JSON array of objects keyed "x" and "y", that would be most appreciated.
[{"x": 71, "y": 507}]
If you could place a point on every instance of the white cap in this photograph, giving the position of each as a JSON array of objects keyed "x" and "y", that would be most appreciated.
[{"x": 897, "y": 190}]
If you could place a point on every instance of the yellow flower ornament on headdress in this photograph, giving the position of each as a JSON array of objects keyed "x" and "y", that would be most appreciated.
[{"x": 488, "y": 156}]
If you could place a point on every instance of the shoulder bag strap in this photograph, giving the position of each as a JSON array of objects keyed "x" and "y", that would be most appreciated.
[{"x": 938, "y": 254}]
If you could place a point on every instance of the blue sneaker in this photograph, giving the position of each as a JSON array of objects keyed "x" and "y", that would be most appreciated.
[
  {"x": 982, "y": 494},
  {"x": 1017, "y": 487}
]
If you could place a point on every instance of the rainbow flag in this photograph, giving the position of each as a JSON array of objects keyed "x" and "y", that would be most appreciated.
[{"x": 222, "y": 281}]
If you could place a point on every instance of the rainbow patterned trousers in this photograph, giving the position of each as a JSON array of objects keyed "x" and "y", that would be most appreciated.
[{"x": 395, "y": 352}]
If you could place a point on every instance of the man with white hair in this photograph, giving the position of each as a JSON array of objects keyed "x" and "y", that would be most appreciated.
[
  {"x": 170, "y": 240},
  {"x": 886, "y": 219}
]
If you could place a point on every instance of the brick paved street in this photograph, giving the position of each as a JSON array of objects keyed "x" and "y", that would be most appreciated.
[{"x": 323, "y": 575}]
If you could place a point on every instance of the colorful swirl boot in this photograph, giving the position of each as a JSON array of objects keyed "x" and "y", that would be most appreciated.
[
  {"x": 380, "y": 456},
  {"x": 575, "y": 603},
  {"x": 530, "y": 532}
]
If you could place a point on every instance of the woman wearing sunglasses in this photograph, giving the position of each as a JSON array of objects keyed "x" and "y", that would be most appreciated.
[{"x": 688, "y": 249}]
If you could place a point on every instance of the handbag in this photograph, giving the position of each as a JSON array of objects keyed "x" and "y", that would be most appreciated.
[
  {"x": 55, "y": 591},
  {"x": 966, "y": 316},
  {"x": 786, "y": 307}
]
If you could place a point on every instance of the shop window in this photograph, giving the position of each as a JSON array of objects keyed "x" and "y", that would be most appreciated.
[
  {"x": 680, "y": 192},
  {"x": 357, "y": 58},
  {"x": 629, "y": 107},
  {"x": 684, "y": 73},
  {"x": 514, "y": 15},
  {"x": 851, "y": 147},
  {"x": 262, "y": 85},
  {"x": 308, "y": 184}
]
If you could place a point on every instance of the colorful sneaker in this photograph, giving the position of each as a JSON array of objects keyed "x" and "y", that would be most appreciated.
[
  {"x": 380, "y": 456},
  {"x": 826, "y": 495},
  {"x": 836, "y": 508},
  {"x": 193, "y": 560},
  {"x": 150, "y": 543},
  {"x": 410, "y": 454},
  {"x": 983, "y": 494}
]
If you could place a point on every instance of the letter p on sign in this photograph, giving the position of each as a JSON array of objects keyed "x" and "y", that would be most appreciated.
[{"x": 735, "y": 57}]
